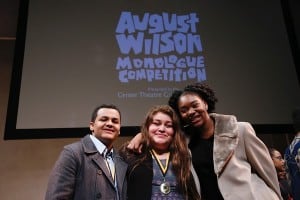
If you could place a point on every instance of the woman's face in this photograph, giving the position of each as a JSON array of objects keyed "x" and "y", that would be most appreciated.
[
  {"x": 278, "y": 161},
  {"x": 193, "y": 110},
  {"x": 161, "y": 131}
]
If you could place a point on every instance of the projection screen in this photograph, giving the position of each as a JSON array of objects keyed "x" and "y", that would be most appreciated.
[{"x": 72, "y": 56}]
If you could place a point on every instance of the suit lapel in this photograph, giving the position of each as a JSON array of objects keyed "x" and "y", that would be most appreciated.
[
  {"x": 101, "y": 164},
  {"x": 90, "y": 150},
  {"x": 225, "y": 140},
  {"x": 121, "y": 168}
]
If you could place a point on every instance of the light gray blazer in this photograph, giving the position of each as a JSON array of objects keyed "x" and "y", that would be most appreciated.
[{"x": 242, "y": 162}]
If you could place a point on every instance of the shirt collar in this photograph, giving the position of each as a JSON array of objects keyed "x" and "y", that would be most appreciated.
[{"x": 101, "y": 148}]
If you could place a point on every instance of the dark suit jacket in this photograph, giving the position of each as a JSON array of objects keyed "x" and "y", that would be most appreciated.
[{"x": 80, "y": 173}]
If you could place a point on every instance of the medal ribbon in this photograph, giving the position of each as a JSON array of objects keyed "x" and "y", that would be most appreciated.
[{"x": 162, "y": 168}]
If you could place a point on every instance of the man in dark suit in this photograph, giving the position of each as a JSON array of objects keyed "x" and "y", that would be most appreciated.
[{"x": 83, "y": 169}]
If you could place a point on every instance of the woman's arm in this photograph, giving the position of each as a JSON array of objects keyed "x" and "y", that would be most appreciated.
[
  {"x": 259, "y": 157},
  {"x": 135, "y": 143}
]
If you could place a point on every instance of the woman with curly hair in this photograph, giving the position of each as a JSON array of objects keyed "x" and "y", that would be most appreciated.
[
  {"x": 163, "y": 169},
  {"x": 230, "y": 160}
]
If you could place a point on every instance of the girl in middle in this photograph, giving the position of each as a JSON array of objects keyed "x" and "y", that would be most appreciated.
[{"x": 163, "y": 170}]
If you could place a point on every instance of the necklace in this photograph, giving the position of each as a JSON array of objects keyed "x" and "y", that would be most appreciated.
[{"x": 165, "y": 186}]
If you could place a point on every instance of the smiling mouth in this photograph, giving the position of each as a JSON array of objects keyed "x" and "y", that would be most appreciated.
[
  {"x": 195, "y": 119},
  {"x": 161, "y": 135},
  {"x": 109, "y": 130}
]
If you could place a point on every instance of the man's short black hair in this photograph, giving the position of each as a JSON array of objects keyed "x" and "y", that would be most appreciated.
[{"x": 95, "y": 112}]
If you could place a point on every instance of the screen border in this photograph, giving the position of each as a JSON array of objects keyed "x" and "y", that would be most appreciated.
[{"x": 11, "y": 132}]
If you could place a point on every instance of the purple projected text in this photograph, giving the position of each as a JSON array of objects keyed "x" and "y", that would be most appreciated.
[{"x": 159, "y": 47}]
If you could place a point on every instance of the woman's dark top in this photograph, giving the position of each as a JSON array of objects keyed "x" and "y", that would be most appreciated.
[
  {"x": 202, "y": 157},
  {"x": 285, "y": 189}
]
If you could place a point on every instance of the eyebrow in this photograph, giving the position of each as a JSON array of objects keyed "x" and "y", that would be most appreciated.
[{"x": 108, "y": 117}]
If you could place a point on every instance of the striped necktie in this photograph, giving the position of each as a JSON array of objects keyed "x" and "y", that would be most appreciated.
[{"x": 110, "y": 164}]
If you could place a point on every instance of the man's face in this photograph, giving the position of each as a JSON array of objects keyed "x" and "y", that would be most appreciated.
[{"x": 106, "y": 126}]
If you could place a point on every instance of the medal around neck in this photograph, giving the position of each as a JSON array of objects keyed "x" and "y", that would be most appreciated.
[{"x": 165, "y": 188}]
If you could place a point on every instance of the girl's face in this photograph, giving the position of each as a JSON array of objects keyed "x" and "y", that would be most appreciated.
[
  {"x": 193, "y": 110},
  {"x": 278, "y": 161},
  {"x": 161, "y": 131}
]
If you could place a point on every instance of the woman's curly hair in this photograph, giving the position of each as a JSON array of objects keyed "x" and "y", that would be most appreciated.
[
  {"x": 173, "y": 100},
  {"x": 201, "y": 89}
]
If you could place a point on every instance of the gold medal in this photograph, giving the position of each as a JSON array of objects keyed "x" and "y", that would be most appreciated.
[{"x": 165, "y": 188}]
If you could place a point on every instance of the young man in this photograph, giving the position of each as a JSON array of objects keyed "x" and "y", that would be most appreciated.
[{"x": 83, "y": 169}]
